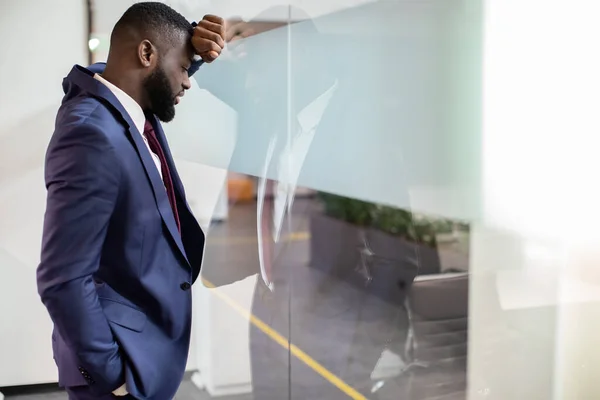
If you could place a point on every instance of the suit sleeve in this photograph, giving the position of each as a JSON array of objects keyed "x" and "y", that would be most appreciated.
[
  {"x": 196, "y": 64},
  {"x": 82, "y": 180}
]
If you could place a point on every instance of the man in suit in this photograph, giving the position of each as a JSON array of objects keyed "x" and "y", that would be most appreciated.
[{"x": 121, "y": 247}]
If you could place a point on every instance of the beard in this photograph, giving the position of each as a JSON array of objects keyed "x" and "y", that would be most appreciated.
[{"x": 160, "y": 95}]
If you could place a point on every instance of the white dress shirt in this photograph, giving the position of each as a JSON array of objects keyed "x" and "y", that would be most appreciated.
[{"x": 135, "y": 112}]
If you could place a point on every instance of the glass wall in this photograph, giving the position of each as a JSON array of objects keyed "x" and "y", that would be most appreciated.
[
  {"x": 352, "y": 143},
  {"x": 382, "y": 186}
]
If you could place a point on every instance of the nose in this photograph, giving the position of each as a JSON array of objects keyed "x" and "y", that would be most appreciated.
[{"x": 186, "y": 83}]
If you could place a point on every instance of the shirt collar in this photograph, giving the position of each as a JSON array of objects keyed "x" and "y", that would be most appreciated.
[{"x": 130, "y": 105}]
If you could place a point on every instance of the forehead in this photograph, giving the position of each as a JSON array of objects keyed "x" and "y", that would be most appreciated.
[{"x": 178, "y": 45}]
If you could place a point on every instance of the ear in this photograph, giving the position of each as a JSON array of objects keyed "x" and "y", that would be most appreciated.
[{"x": 147, "y": 53}]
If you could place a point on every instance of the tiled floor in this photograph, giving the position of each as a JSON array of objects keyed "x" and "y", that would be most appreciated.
[{"x": 358, "y": 332}]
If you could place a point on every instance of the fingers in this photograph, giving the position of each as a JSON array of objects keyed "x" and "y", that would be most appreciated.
[
  {"x": 209, "y": 56},
  {"x": 204, "y": 46},
  {"x": 210, "y": 31},
  {"x": 209, "y": 37},
  {"x": 215, "y": 24},
  {"x": 211, "y": 26},
  {"x": 214, "y": 19}
]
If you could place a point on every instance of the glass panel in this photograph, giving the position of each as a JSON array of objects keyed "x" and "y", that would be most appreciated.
[{"x": 353, "y": 178}]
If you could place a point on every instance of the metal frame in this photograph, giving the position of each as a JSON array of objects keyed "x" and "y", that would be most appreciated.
[{"x": 90, "y": 22}]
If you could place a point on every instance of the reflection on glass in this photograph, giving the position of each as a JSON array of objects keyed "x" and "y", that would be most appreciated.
[
  {"x": 356, "y": 251},
  {"x": 359, "y": 267}
]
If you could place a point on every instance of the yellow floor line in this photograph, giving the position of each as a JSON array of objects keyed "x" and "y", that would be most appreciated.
[{"x": 283, "y": 342}]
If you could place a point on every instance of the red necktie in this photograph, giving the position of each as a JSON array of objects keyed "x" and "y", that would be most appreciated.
[{"x": 166, "y": 174}]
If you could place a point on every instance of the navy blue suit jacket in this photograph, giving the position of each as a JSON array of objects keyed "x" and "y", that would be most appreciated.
[{"x": 115, "y": 273}]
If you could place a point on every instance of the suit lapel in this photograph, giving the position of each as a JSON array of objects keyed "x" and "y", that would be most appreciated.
[
  {"x": 177, "y": 184},
  {"x": 158, "y": 187},
  {"x": 85, "y": 80}
]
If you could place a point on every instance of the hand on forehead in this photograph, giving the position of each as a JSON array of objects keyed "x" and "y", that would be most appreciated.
[{"x": 208, "y": 38}]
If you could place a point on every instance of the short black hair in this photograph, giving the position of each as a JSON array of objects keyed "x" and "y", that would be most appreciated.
[{"x": 151, "y": 20}]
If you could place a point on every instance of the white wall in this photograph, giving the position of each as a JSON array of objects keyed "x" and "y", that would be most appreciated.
[
  {"x": 40, "y": 42},
  {"x": 535, "y": 289}
]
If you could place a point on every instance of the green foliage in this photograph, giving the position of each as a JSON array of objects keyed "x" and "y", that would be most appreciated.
[
  {"x": 391, "y": 220},
  {"x": 353, "y": 211},
  {"x": 425, "y": 231},
  {"x": 394, "y": 221}
]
